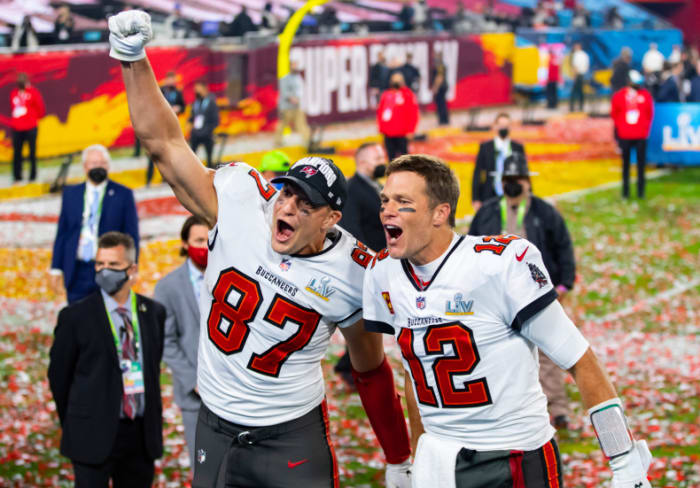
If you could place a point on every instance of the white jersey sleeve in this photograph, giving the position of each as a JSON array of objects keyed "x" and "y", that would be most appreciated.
[
  {"x": 518, "y": 273},
  {"x": 378, "y": 314}
]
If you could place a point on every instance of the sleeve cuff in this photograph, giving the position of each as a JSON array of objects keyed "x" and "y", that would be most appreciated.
[
  {"x": 530, "y": 310},
  {"x": 55, "y": 272},
  {"x": 381, "y": 327}
]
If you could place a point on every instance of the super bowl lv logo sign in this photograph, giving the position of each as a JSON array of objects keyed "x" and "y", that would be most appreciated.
[{"x": 688, "y": 138}]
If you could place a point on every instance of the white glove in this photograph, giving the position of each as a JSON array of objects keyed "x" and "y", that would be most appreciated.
[
  {"x": 129, "y": 32},
  {"x": 630, "y": 470},
  {"x": 398, "y": 475}
]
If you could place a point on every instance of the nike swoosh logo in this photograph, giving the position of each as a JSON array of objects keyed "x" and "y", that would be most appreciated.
[
  {"x": 520, "y": 258},
  {"x": 291, "y": 465}
]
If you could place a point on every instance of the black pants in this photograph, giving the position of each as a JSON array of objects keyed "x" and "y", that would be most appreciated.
[
  {"x": 552, "y": 94},
  {"x": 19, "y": 137},
  {"x": 441, "y": 106},
  {"x": 540, "y": 468},
  {"x": 577, "y": 93},
  {"x": 395, "y": 146},
  {"x": 208, "y": 140},
  {"x": 293, "y": 454},
  {"x": 640, "y": 146},
  {"x": 128, "y": 464}
]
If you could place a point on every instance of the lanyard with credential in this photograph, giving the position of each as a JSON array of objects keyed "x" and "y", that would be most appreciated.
[
  {"x": 134, "y": 323},
  {"x": 504, "y": 214}
]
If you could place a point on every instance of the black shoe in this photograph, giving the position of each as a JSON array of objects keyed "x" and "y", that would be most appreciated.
[{"x": 561, "y": 422}]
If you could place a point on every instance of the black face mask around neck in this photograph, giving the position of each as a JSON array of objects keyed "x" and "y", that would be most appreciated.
[{"x": 503, "y": 133}]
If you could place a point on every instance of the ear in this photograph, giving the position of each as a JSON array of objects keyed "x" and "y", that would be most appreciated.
[
  {"x": 441, "y": 214},
  {"x": 331, "y": 219}
]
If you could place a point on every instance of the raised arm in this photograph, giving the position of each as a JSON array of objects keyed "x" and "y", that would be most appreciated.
[{"x": 153, "y": 120}]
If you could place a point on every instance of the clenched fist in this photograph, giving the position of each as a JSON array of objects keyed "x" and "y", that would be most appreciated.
[{"x": 129, "y": 32}]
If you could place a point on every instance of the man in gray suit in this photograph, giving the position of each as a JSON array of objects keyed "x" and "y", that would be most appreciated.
[{"x": 179, "y": 293}]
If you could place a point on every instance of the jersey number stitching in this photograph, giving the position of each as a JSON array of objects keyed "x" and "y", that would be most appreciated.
[
  {"x": 501, "y": 242},
  {"x": 465, "y": 357},
  {"x": 237, "y": 318}
]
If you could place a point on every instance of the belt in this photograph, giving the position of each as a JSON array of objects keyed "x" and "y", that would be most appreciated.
[{"x": 247, "y": 436}]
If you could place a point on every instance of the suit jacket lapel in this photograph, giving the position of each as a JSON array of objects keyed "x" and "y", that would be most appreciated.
[
  {"x": 100, "y": 314},
  {"x": 144, "y": 313},
  {"x": 106, "y": 204}
]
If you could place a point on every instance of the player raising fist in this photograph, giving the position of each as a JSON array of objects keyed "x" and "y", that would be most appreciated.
[{"x": 281, "y": 277}]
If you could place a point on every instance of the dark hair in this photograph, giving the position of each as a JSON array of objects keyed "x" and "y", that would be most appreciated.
[
  {"x": 112, "y": 239},
  {"x": 364, "y": 146},
  {"x": 441, "y": 184},
  {"x": 502, "y": 114},
  {"x": 187, "y": 226}
]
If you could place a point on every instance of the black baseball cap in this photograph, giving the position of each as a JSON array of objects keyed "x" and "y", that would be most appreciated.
[
  {"x": 515, "y": 166},
  {"x": 320, "y": 179}
]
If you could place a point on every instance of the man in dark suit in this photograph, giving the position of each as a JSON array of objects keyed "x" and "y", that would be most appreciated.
[
  {"x": 670, "y": 90},
  {"x": 204, "y": 120},
  {"x": 489, "y": 162},
  {"x": 179, "y": 292},
  {"x": 88, "y": 210},
  {"x": 361, "y": 215},
  {"x": 522, "y": 213},
  {"x": 104, "y": 374},
  {"x": 361, "y": 211}
]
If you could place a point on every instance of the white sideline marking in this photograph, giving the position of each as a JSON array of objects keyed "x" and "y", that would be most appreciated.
[{"x": 644, "y": 304}]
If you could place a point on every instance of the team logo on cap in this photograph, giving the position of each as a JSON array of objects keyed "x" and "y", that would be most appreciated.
[
  {"x": 309, "y": 171},
  {"x": 420, "y": 303},
  {"x": 458, "y": 306}
]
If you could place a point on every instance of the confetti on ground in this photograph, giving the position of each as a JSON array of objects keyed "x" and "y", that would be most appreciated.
[{"x": 636, "y": 299}]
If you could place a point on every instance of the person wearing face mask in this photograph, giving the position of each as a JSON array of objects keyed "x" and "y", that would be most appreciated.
[
  {"x": 104, "y": 374},
  {"x": 361, "y": 215},
  {"x": 204, "y": 120},
  {"x": 489, "y": 162},
  {"x": 27, "y": 107},
  {"x": 521, "y": 213},
  {"x": 88, "y": 210},
  {"x": 289, "y": 110},
  {"x": 397, "y": 116},
  {"x": 179, "y": 291}
]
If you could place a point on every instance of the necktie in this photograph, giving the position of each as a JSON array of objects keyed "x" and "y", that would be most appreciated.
[
  {"x": 497, "y": 184},
  {"x": 88, "y": 249},
  {"x": 128, "y": 352}
]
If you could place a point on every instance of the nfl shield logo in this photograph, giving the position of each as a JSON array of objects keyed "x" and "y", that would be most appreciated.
[
  {"x": 420, "y": 303},
  {"x": 201, "y": 456},
  {"x": 285, "y": 264}
]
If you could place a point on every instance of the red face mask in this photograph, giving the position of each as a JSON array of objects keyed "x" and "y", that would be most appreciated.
[{"x": 198, "y": 255}]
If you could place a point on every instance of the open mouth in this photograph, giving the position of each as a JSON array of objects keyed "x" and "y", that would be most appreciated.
[
  {"x": 393, "y": 233},
  {"x": 283, "y": 231}
]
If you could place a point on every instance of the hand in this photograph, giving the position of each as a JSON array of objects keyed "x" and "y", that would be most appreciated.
[
  {"x": 398, "y": 475},
  {"x": 630, "y": 470},
  {"x": 476, "y": 205},
  {"x": 129, "y": 32}
]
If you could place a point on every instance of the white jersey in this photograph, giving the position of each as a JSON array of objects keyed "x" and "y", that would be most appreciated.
[
  {"x": 267, "y": 318},
  {"x": 475, "y": 377}
]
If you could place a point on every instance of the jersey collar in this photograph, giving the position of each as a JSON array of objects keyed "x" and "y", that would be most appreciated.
[{"x": 419, "y": 284}]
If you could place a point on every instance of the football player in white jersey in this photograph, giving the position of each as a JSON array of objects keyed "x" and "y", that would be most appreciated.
[
  {"x": 281, "y": 277},
  {"x": 469, "y": 314}
]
